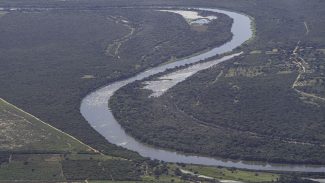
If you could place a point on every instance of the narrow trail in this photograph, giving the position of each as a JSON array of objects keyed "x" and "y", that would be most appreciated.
[
  {"x": 300, "y": 63},
  {"x": 307, "y": 28},
  {"x": 113, "y": 49}
]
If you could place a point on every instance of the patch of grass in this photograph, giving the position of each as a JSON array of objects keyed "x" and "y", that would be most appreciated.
[
  {"x": 256, "y": 52},
  {"x": 232, "y": 174},
  {"x": 164, "y": 178},
  {"x": 199, "y": 28},
  {"x": 2, "y": 13}
]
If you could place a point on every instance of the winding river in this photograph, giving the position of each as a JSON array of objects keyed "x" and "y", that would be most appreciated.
[{"x": 94, "y": 108}]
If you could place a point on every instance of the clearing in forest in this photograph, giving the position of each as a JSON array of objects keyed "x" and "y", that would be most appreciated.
[{"x": 21, "y": 131}]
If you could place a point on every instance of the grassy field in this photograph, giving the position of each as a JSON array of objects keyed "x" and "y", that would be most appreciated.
[
  {"x": 49, "y": 167},
  {"x": 232, "y": 174},
  {"x": 32, "y": 167},
  {"x": 220, "y": 174},
  {"x": 23, "y": 132}
]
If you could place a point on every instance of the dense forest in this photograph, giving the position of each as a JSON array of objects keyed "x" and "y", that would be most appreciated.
[
  {"x": 249, "y": 108},
  {"x": 51, "y": 59}
]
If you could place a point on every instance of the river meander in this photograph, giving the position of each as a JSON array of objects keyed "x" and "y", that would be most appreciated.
[{"x": 94, "y": 108}]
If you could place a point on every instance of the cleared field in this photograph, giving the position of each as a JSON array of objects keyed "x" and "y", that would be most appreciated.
[
  {"x": 230, "y": 174},
  {"x": 22, "y": 132},
  {"x": 60, "y": 167},
  {"x": 32, "y": 167}
]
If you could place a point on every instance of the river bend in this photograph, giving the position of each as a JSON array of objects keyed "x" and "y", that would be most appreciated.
[{"x": 94, "y": 108}]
